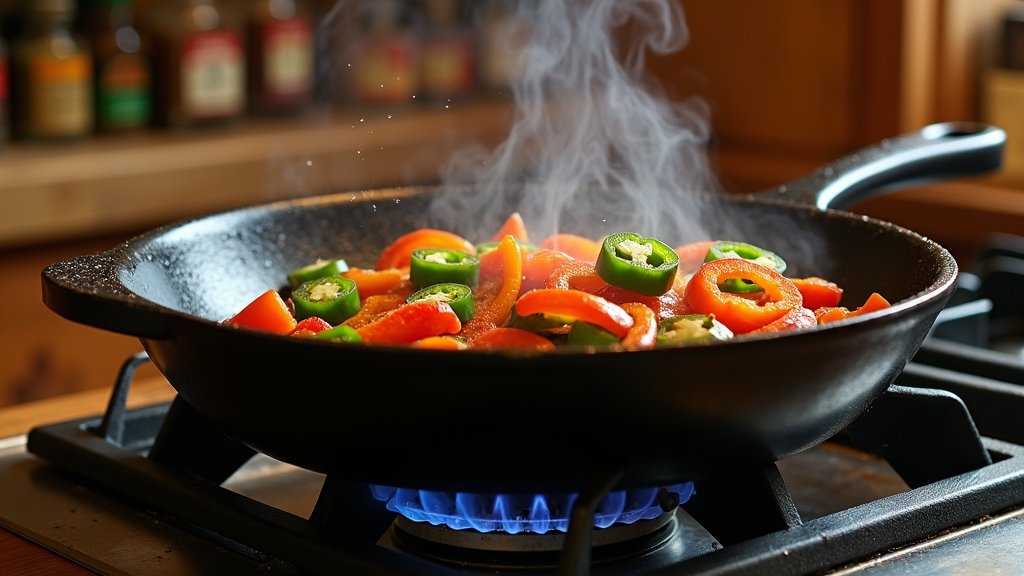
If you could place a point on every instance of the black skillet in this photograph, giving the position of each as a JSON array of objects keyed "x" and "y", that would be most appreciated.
[{"x": 526, "y": 422}]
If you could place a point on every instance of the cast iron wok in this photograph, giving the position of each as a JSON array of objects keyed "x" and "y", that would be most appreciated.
[{"x": 524, "y": 422}]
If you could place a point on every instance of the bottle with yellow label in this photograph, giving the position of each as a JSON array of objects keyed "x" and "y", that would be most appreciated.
[{"x": 52, "y": 74}]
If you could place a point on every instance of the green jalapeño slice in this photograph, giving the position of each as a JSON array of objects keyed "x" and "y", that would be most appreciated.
[
  {"x": 440, "y": 265},
  {"x": 643, "y": 265}
]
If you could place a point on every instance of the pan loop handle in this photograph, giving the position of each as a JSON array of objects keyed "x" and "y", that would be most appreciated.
[{"x": 942, "y": 151}]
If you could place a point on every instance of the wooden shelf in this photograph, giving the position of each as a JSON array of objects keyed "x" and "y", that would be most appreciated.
[{"x": 110, "y": 184}]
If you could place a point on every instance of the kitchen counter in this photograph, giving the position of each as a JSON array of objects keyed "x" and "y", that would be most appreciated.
[{"x": 19, "y": 556}]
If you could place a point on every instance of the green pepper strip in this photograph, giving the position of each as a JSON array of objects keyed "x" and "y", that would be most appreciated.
[
  {"x": 587, "y": 334},
  {"x": 440, "y": 265},
  {"x": 342, "y": 332},
  {"x": 642, "y": 265},
  {"x": 691, "y": 329},
  {"x": 317, "y": 269},
  {"x": 458, "y": 296},
  {"x": 333, "y": 298},
  {"x": 746, "y": 251}
]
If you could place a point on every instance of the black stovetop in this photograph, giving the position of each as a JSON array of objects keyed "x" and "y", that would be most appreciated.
[{"x": 941, "y": 451}]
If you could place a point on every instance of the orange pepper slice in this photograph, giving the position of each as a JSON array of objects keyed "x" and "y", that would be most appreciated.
[
  {"x": 828, "y": 314},
  {"x": 579, "y": 247},
  {"x": 578, "y": 305},
  {"x": 739, "y": 314},
  {"x": 374, "y": 307},
  {"x": 691, "y": 255},
  {"x": 494, "y": 311},
  {"x": 577, "y": 275},
  {"x": 644, "y": 331},
  {"x": 399, "y": 253},
  {"x": 374, "y": 282},
  {"x": 440, "y": 343},
  {"x": 539, "y": 264},
  {"x": 267, "y": 312},
  {"x": 818, "y": 292},
  {"x": 514, "y": 226}
]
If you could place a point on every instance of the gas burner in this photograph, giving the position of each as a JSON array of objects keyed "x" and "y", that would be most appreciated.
[{"x": 527, "y": 513}]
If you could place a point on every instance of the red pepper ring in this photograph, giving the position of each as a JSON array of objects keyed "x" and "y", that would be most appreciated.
[{"x": 739, "y": 314}]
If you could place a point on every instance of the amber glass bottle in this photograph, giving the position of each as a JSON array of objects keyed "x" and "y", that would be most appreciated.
[
  {"x": 123, "y": 78},
  {"x": 279, "y": 35},
  {"x": 199, "y": 62},
  {"x": 52, "y": 74}
]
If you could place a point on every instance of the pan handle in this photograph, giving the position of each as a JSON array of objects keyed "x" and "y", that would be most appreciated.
[
  {"x": 87, "y": 289},
  {"x": 936, "y": 152}
]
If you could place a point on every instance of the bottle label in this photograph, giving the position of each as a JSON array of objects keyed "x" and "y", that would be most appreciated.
[
  {"x": 123, "y": 97},
  {"x": 288, "y": 58},
  {"x": 60, "y": 93},
  {"x": 386, "y": 70},
  {"x": 213, "y": 75},
  {"x": 449, "y": 65}
]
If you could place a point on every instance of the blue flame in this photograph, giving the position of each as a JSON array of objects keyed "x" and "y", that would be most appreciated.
[{"x": 515, "y": 513}]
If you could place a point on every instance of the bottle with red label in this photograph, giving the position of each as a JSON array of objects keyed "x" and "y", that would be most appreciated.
[
  {"x": 123, "y": 76},
  {"x": 51, "y": 74},
  {"x": 200, "y": 64},
  {"x": 280, "y": 69}
]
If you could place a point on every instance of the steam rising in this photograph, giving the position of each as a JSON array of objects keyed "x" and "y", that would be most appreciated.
[{"x": 595, "y": 146}]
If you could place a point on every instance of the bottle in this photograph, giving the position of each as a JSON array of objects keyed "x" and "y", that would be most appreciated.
[
  {"x": 385, "y": 66},
  {"x": 448, "y": 52},
  {"x": 199, "y": 64},
  {"x": 5, "y": 133},
  {"x": 123, "y": 78},
  {"x": 280, "y": 56},
  {"x": 505, "y": 34},
  {"x": 52, "y": 74}
]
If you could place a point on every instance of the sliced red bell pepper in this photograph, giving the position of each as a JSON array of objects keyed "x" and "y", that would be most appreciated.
[
  {"x": 399, "y": 252},
  {"x": 578, "y": 305},
  {"x": 795, "y": 319},
  {"x": 818, "y": 292},
  {"x": 739, "y": 314},
  {"x": 539, "y": 264},
  {"x": 374, "y": 307},
  {"x": 311, "y": 326},
  {"x": 644, "y": 331},
  {"x": 579, "y": 247},
  {"x": 505, "y": 337},
  {"x": 514, "y": 226},
  {"x": 267, "y": 312},
  {"x": 577, "y": 275},
  {"x": 411, "y": 322},
  {"x": 873, "y": 303},
  {"x": 691, "y": 255}
]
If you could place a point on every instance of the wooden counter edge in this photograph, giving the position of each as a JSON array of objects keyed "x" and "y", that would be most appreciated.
[{"x": 21, "y": 418}]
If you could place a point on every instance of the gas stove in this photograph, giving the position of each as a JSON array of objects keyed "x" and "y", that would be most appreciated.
[{"x": 930, "y": 480}]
